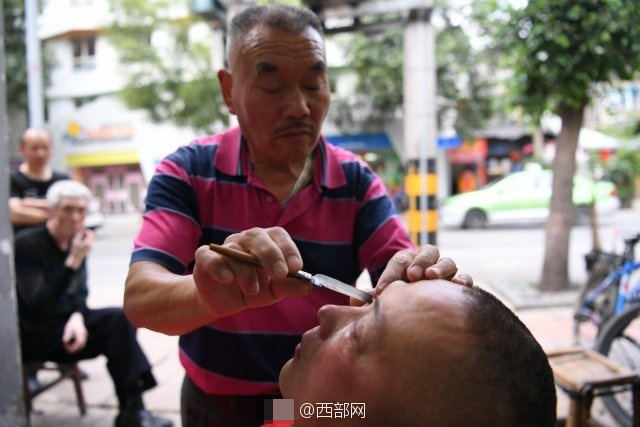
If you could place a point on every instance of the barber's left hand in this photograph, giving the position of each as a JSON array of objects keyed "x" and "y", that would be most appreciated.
[
  {"x": 74, "y": 336},
  {"x": 411, "y": 265}
]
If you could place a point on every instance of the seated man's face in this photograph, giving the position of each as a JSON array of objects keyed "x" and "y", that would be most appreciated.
[{"x": 362, "y": 354}]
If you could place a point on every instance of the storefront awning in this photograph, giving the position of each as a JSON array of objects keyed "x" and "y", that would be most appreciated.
[
  {"x": 122, "y": 157},
  {"x": 362, "y": 141}
]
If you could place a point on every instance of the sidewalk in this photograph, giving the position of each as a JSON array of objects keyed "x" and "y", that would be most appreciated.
[{"x": 550, "y": 324}]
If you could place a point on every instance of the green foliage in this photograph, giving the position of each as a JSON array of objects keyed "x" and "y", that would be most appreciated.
[
  {"x": 15, "y": 54},
  {"x": 560, "y": 50},
  {"x": 378, "y": 63},
  {"x": 623, "y": 170},
  {"x": 173, "y": 80}
]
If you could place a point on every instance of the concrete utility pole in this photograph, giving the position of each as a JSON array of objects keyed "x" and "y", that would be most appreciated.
[
  {"x": 12, "y": 411},
  {"x": 420, "y": 133},
  {"x": 34, "y": 65}
]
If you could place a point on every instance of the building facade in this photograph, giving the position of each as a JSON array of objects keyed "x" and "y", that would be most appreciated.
[{"x": 97, "y": 139}]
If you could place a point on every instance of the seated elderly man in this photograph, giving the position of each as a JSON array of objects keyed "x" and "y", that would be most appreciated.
[
  {"x": 55, "y": 323},
  {"x": 430, "y": 353}
]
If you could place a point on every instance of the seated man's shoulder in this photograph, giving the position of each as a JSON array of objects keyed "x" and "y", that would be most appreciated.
[{"x": 29, "y": 236}]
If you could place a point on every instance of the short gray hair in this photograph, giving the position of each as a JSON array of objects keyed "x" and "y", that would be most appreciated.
[
  {"x": 286, "y": 18},
  {"x": 67, "y": 188}
]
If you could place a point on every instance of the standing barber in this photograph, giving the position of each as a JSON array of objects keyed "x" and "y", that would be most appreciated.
[{"x": 275, "y": 188}]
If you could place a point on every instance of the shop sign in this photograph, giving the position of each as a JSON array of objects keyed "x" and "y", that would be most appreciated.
[
  {"x": 469, "y": 152},
  {"x": 76, "y": 133}
]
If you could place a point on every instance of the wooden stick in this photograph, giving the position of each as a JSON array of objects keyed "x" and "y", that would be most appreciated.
[{"x": 235, "y": 254}]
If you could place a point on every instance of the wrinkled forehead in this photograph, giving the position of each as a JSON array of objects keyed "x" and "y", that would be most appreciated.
[
  {"x": 264, "y": 43},
  {"x": 426, "y": 296}
]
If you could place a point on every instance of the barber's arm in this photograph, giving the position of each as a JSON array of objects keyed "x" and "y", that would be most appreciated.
[
  {"x": 28, "y": 211},
  {"x": 157, "y": 299}
]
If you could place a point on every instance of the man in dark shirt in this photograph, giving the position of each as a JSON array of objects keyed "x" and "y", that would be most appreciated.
[
  {"x": 30, "y": 182},
  {"x": 55, "y": 323}
]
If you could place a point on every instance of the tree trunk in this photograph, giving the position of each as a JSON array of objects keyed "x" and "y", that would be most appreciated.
[{"x": 555, "y": 270}]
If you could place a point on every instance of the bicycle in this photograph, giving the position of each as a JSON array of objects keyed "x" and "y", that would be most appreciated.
[{"x": 611, "y": 300}]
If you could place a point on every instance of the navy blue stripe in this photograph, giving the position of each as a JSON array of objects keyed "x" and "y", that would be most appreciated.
[
  {"x": 336, "y": 260},
  {"x": 246, "y": 356},
  {"x": 169, "y": 262},
  {"x": 223, "y": 177},
  {"x": 359, "y": 178},
  {"x": 168, "y": 192},
  {"x": 371, "y": 216},
  {"x": 197, "y": 160}
]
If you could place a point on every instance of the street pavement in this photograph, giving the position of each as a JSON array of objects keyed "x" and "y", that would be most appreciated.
[{"x": 507, "y": 261}]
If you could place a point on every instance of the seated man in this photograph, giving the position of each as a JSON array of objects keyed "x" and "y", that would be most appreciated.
[
  {"x": 55, "y": 323},
  {"x": 430, "y": 353}
]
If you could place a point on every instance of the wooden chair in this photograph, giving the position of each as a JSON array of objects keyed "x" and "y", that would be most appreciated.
[
  {"x": 63, "y": 371},
  {"x": 583, "y": 374}
]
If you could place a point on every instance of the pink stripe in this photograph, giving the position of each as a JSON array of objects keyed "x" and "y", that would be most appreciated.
[
  {"x": 169, "y": 232},
  {"x": 388, "y": 239},
  {"x": 331, "y": 221},
  {"x": 169, "y": 167},
  {"x": 335, "y": 175},
  {"x": 289, "y": 315},
  {"x": 376, "y": 189},
  {"x": 213, "y": 383}
]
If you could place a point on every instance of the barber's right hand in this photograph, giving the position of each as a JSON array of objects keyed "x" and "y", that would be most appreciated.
[{"x": 227, "y": 286}]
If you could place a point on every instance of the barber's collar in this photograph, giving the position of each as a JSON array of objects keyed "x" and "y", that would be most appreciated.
[{"x": 232, "y": 158}]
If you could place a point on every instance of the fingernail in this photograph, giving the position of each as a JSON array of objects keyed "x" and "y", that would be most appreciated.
[
  {"x": 415, "y": 272},
  {"x": 436, "y": 271},
  {"x": 294, "y": 261},
  {"x": 253, "y": 289},
  {"x": 225, "y": 275},
  {"x": 280, "y": 269}
]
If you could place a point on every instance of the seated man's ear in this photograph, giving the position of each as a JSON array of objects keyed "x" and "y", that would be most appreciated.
[{"x": 226, "y": 84}]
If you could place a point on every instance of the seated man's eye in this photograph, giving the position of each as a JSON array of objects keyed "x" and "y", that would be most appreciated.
[{"x": 271, "y": 89}]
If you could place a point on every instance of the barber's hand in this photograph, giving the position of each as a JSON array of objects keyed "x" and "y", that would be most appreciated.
[
  {"x": 81, "y": 244},
  {"x": 227, "y": 286},
  {"x": 411, "y": 265},
  {"x": 74, "y": 336}
]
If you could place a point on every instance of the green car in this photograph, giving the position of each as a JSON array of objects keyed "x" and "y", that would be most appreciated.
[{"x": 523, "y": 197}]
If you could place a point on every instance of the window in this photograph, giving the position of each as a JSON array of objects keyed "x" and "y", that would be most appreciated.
[{"x": 84, "y": 53}]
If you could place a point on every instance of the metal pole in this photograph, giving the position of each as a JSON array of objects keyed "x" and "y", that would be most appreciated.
[
  {"x": 34, "y": 64},
  {"x": 12, "y": 411}
]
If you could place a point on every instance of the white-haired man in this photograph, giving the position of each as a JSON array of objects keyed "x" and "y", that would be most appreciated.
[{"x": 55, "y": 323}]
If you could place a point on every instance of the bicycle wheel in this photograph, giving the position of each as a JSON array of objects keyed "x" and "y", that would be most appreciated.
[
  {"x": 620, "y": 341},
  {"x": 604, "y": 303}
]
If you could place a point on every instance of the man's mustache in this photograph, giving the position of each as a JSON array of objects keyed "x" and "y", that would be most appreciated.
[{"x": 296, "y": 125}]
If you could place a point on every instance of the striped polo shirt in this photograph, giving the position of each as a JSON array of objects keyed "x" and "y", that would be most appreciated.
[{"x": 342, "y": 223}]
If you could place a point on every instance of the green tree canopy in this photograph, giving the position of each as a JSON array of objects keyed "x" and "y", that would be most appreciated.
[
  {"x": 561, "y": 53},
  {"x": 15, "y": 54},
  {"x": 173, "y": 80},
  {"x": 377, "y": 61}
]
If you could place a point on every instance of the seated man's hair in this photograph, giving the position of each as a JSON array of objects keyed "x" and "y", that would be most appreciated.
[
  {"x": 285, "y": 18},
  {"x": 503, "y": 378},
  {"x": 67, "y": 188},
  {"x": 512, "y": 370}
]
